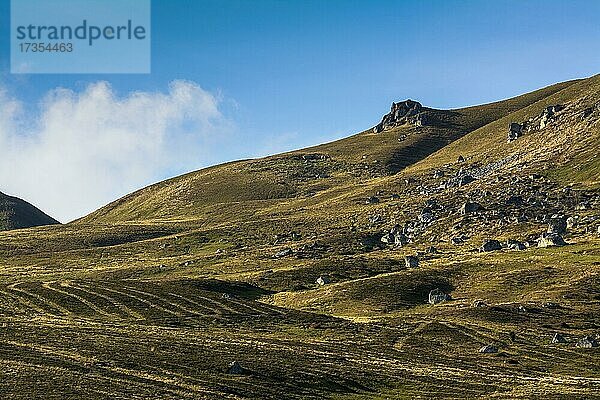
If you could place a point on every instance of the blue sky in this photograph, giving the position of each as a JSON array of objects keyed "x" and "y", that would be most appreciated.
[{"x": 288, "y": 74}]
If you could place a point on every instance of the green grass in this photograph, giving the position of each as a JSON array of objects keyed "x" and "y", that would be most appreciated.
[{"x": 155, "y": 294}]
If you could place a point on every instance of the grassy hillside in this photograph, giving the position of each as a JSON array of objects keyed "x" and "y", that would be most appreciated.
[
  {"x": 154, "y": 295},
  {"x": 256, "y": 184},
  {"x": 16, "y": 214}
]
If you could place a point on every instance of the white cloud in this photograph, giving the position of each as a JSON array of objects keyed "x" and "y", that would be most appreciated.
[{"x": 84, "y": 149}]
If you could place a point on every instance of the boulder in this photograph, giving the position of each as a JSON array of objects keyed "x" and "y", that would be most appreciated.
[
  {"x": 479, "y": 304},
  {"x": 515, "y": 131},
  {"x": 411, "y": 261},
  {"x": 490, "y": 245},
  {"x": 323, "y": 280},
  {"x": 460, "y": 159},
  {"x": 515, "y": 245},
  {"x": 557, "y": 225},
  {"x": 437, "y": 296},
  {"x": 465, "y": 180},
  {"x": 432, "y": 250},
  {"x": 558, "y": 339},
  {"x": 470, "y": 207},
  {"x": 372, "y": 200},
  {"x": 235, "y": 368},
  {"x": 283, "y": 253},
  {"x": 550, "y": 240},
  {"x": 488, "y": 349}
]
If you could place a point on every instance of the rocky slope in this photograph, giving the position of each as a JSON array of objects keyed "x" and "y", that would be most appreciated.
[{"x": 446, "y": 254}]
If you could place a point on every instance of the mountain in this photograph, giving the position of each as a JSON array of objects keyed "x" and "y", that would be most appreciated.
[
  {"x": 437, "y": 254},
  {"x": 16, "y": 214}
]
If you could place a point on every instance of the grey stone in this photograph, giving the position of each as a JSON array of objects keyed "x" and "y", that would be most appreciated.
[
  {"x": 515, "y": 245},
  {"x": 235, "y": 368},
  {"x": 490, "y": 245},
  {"x": 558, "y": 339},
  {"x": 488, "y": 349},
  {"x": 557, "y": 225},
  {"x": 323, "y": 280},
  {"x": 465, "y": 180},
  {"x": 411, "y": 261},
  {"x": 437, "y": 296},
  {"x": 515, "y": 131},
  {"x": 283, "y": 253},
  {"x": 479, "y": 304},
  {"x": 550, "y": 240},
  {"x": 587, "y": 342},
  {"x": 470, "y": 207},
  {"x": 372, "y": 200}
]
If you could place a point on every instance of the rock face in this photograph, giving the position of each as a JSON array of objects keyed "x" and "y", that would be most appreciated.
[
  {"x": 403, "y": 113},
  {"x": 437, "y": 296}
]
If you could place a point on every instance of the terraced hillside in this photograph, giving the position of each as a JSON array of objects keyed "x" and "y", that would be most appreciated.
[{"x": 312, "y": 274}]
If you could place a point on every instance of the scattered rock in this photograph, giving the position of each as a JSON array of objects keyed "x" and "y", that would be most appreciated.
[
  {"x": 488, "y": 349},
  {"x": 587, "y": 342},
  {"x": 490, "y": 245},
  {"x": 395, "y": 236},
  {"x": 515, "y": 245},
  {"x": 551, "y": 305},
  {"x": 323, "y": 280},
  {"x": 437, "y": 296},
  {"x": 411, "y": 261}
]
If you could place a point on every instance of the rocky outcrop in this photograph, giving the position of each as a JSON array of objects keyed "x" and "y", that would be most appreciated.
[
  {"x": 546, "y": 117},
  {"x": 408, "y": 112}
]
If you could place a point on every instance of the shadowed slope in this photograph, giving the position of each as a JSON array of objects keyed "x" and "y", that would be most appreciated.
[{"x": 16, "y": 214}]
